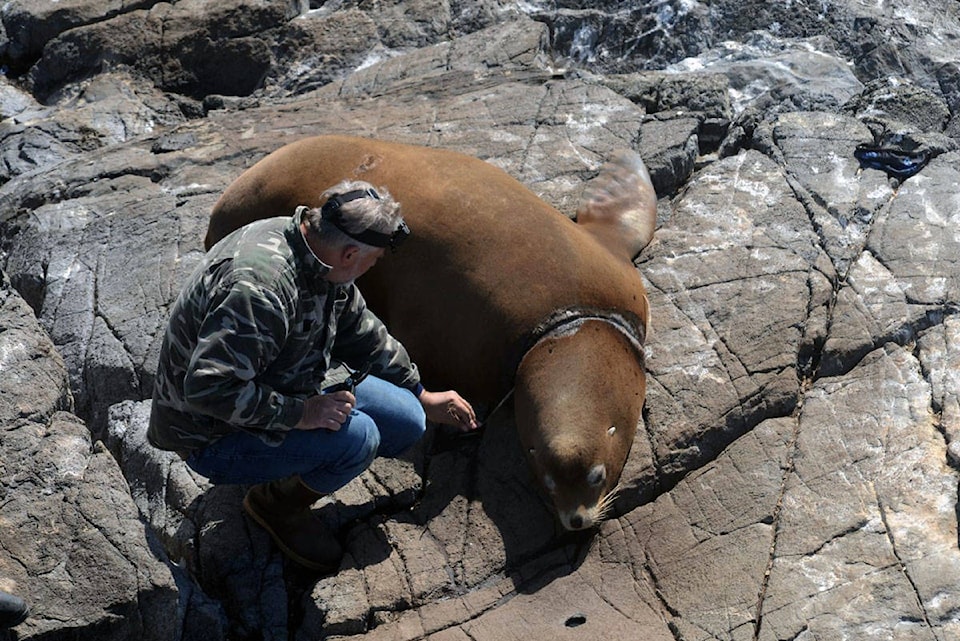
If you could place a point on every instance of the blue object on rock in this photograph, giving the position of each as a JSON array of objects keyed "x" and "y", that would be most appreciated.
[{"x": 894, "y": 162}]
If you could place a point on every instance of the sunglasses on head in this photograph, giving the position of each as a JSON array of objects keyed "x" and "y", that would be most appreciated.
[{"x": 331, "y": 211}]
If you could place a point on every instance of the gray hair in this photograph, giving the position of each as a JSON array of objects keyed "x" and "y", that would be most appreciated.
[{"x": 359, "y": 215}]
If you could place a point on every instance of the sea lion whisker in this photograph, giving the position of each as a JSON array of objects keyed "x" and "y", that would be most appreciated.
[{"x": 606, "y": 502}]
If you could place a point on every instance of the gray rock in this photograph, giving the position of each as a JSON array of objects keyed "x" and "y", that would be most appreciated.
[
  {"x": 14, "y": 101},
  {"x": 806, "y": 70},
  {"x": 101, "y": 302},
  {"x": 939, "y": 357},
  {"x": 192, "y": 47},
  {"x": 883, "y": 503},
  {"x": 704, "y": 96},
  {"x": 706, "y": 545},
  {"x": 737, "y": 243},
  {"x": 906, "y": 279},
  {"x": 670, "y": 147},
  {"x": 73, "y": 545},
  {"x": 29, "y": 25},
  {"x": 901, "y": 105},
  {"x": 105, "y": 110},
  {"x": 232, "y": 582},
  {"x": 322, "y": 48},
  {"x": 791, "y": 478},
  {"x": 841, "y": 199}
]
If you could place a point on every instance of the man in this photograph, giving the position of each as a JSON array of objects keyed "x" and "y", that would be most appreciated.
[{"x": 254, "y": 339}]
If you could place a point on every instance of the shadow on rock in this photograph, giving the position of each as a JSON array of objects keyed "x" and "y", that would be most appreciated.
[
  {"x": 237, "y": 563},
  {"x": 482, "y": 503},
  {"x": 477, "y": 532}
]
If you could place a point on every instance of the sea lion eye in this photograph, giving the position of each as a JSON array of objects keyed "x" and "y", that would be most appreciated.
[
  {"x": 597, "y": 475},
  {"x": 549, "y": 483},
  {"x": 612, "y": 430}
]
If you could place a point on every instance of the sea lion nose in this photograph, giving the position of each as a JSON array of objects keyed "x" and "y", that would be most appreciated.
[{"x": 576, "y": 522}]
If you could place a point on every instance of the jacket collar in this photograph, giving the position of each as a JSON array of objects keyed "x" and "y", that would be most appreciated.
[{"x": 312, "y": 268}]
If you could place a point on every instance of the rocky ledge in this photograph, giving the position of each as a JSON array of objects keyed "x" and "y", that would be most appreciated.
[{"x": 796, "y": 473}]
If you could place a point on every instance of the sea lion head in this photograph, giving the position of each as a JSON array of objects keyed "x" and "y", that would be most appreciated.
[{"x": 578, "y": 398}]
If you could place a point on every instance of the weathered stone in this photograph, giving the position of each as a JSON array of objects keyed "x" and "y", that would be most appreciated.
[
  {"x": 816, "y": 151},
  {"x": 670, "y": 148},
  {"x": 167, "y": 494},
  {"x": 30, "y": 24},
  {"x": 803, "y": 70},
  {"x": 908, "y": 277},
  {"x": 707, "y": 543},
  {"x": 940, "y": 356},
  {"x": 101, "y": 289},
  {"x": 488, "y": 57},
  {"x": 165, "y": 490},
  {"x": 862, "y": 524},
  {"x": 607, "y": 36},
  {"x": 738, "y": 246},
  {"x": 194, "y": 47},
  {"x": 902, "y": 104},
  {"x": 14, "y": 101},
  {"x": 102, "y": 111},
  {"x": 238, "y": 567},
  {"x": 706, "y": 95},
  {"x": 754, "y": 482},
  {"x": 72, "y": 542},
  {"x": 322, "y": 49}
]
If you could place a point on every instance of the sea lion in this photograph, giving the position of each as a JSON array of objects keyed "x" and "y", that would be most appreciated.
[{"x": 495, "y": 289}]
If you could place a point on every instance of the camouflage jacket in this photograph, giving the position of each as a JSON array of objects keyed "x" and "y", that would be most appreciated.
[{"x": 256, "y": 330}]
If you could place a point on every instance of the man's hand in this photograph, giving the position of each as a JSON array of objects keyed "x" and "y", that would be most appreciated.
[
  {"x": 326, "y": 411},
  {"x": 449, "y": 408}
]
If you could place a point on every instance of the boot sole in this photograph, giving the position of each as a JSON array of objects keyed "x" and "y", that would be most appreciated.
[
  {"x": 290, "y": 554},
  {"x": 15, "y": 621}
]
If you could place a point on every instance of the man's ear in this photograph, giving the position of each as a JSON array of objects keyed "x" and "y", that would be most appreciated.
[{"x": 349, "y": 254}]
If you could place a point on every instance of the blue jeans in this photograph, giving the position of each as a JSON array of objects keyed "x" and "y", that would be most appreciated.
[{"x": 386, "y": 421}]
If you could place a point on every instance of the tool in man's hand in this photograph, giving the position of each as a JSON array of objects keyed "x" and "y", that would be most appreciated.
[{"x": 351, "y": 382}]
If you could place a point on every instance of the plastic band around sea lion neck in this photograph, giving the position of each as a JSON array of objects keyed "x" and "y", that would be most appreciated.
[
  {"x": 567, "y": 320},
  {"x": 331, "y": 212}
]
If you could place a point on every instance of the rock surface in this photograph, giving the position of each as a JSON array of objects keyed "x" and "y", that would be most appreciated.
[
  {"x": 796, "y": 473},
  {"x": 71, "y": 537}
]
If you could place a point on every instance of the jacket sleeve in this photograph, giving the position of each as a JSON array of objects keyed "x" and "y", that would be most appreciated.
[
  {"x": 363, "y": 338},
  {"x": 238, "y": 339}
]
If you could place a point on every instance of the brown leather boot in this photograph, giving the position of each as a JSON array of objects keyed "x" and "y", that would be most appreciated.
[{"x": 283, "y": 509}]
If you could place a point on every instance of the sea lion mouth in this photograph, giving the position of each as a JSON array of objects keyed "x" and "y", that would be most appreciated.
[
  {"x": 581, "y": 519},
  {"x": 585, "y": 517},
  {"x": 577, "y": 522}
]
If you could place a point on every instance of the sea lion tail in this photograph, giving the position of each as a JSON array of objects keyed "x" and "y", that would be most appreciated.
[{"x": 619, "y": 205}]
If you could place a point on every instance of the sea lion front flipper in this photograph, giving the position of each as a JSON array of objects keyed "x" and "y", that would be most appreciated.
[{"x": 621, "y": 199}]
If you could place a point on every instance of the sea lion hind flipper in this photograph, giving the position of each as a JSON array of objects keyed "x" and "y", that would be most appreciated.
[{"x": 621, "y": 198}]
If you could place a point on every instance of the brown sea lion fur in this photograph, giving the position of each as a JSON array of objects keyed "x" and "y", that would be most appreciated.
[
  {"x": 575, "y": 409},
  {"x": 486, "y": 263}
]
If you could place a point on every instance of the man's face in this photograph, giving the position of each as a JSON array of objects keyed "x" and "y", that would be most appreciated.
[
  {"x": 356, "y": 266},
  {"x": 366, "y": 260}
]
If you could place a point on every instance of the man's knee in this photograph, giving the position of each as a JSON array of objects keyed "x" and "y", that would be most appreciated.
[
  {"x": 405, "y": 430},
  {"x": 358, "y": 446},
  {"x": 367, "y": 440},
  {"x": 345, "y": 456},
  {"x": 417, "y": 423}
]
